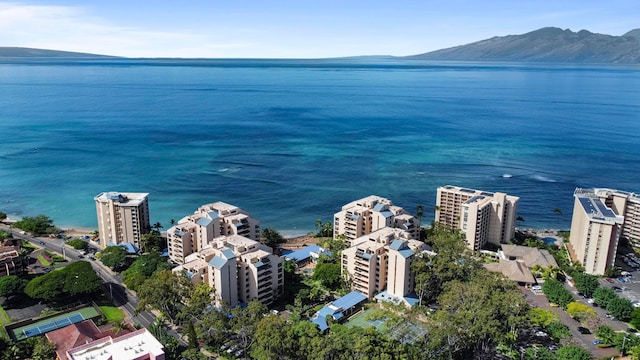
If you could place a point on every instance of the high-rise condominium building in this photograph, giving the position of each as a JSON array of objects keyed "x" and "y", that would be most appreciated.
[
  {"x": 381, "y": 261},
  {"x": 194, "y": 232},
  {"x": 122, "y": 217},
  {"x": 238, "y": 269},
  {"x": 372, "y": 213},
  {"x": 597, "y": 224},
  {"x": 482, "y": 216}
]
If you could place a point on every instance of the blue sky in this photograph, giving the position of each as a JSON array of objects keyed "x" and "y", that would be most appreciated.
[{"x": 292, "y": 29}]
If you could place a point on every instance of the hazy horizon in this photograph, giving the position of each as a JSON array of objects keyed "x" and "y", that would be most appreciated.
[{"x": 290, "y": 30}]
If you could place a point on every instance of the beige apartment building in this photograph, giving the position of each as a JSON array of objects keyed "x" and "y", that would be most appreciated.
[
  {"x": 372, "y": 213},
  {"x": 238, "y": 269},
  {"x": 482, "y": 216},
  {"x": 122, "y": 217},
  {"x": 381, "y": 261},
  {"x": 194, "y": 232},
  {"x": 625, "y": 204},
  {"x": 595, "y": 229}
]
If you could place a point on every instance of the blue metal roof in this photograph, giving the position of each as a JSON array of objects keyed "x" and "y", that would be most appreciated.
[
  {"x": 406, "y": 253},
  {"x": 218, "y": 262},
  {"x": 387, "y": 213},
  {"x": 353, "y": 216},
  {"x": 228, "y": 253},
  {"x": 213, "y": 214},
  {"x": 257, "y": 264},
  {"x": 336, "y": 308},
  {"x": 396, "y": 245},
  {"x": 131, "y": 249},
  {"x": 350, "y": 300},
  {"x": 305, "y": 253},
  {"x": 204, "y": 221},
  {"x": 179, "y": 232},
  {"x": 378, "y": 207}
]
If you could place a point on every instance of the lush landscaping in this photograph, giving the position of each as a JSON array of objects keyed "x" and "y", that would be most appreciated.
[{"x": 112, "y": 313}]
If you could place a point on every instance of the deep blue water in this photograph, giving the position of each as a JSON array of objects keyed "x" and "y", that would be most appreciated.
[{"x": 291, "y": 141}]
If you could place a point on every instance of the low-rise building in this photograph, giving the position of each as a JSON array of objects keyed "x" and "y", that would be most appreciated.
[
  {"x": 338, "y": 310},
  {"x": 481, "y": 215},
  {"x": 11, "y": 262},
  {"x": 372, "y": 213},
  {"x": 136, "y": 345}
]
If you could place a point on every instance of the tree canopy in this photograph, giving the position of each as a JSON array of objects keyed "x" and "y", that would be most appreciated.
[
  {"x": 76, "y": 279},
  {"x": 143, "y": 268},
  {"x": 586, "y": 283},
  {"x": 272, "y": 237},
  {"x": 40, "y": 224},
  {"x": 78, "y": 244},
  {"x": 11, "y": 285},
  {"x": 114, "y": 257}
]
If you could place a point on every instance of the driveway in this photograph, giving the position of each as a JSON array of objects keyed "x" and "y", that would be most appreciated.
[{"x": 586, "y": 340}]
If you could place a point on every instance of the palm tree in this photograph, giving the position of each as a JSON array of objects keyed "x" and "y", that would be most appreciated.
[
  {"x": 419, "y": 212},
  {"x": 157, "y": 226},
  {"x": 172, "y": 221},
  {"x": 558, "y": 211}
]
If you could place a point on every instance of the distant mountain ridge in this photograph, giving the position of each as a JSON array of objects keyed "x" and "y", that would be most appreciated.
[
  {"x": 549, "y": 44},
  {"x": 29, "y": 52}
]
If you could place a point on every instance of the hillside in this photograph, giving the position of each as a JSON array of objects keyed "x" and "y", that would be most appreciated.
[
  {"x": 29, "y": 52},
  {"x": 547, "y": 45}
]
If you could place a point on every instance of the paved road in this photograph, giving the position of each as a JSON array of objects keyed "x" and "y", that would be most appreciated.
[
  {"x": 586, "y": 340},
  {"x": 112, "y": 282}
]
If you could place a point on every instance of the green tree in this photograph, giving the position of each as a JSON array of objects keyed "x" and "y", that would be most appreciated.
[
  {"x": 579, "y": 311},
  {"x": 558, "y": 331},
  {"x": 143, "y": 268},
  {"x": 40, "y": 224},
  {"x": 602, "y": 296},
  {"x": 324, "y": 230},
  {"x": 78, "y": 244},
  {"x": 539, "y": 353},
  {"x": 198, "y": 300},
  {"x": 586, "y": 283},
  {"x": 46, "y": 287},
  {"x": 43, "y": 349},
  {"x": 165, "y": 291},
  {"x": 272, "y": 237},
  {"x": 620, "y": 308},
  {"x": 192, "y": 338},
  {"x": 114, "y": 257},
  {"x": 542, "y": 317},
  {"x": 556, "y": 293},
  {"x": 572, "y": 352},
  {"x": 275, "y": 339},
  {"x": 635, "y": 317},
  {"x": 605, "y": 333},
  {"x": 80, "y": 279},
  {"x": 329, "y": 274},
  {"x": 3, "y": 216},
  {"x": 151, "y": 242},
  {"x": 193, "y": 354},
  {"x": 245, "y": 321},
  {"x": 4, "y": 235},
  {"x": 419, "y": 212},
  {"x": 11, "y": 285}
]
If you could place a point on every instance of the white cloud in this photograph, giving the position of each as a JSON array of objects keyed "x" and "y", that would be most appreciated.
[{"x": 77, "y": 29}]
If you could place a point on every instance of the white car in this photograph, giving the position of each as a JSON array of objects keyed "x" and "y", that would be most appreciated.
[{"x": 590, "y": 301}]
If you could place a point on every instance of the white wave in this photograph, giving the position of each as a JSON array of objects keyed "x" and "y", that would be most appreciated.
[{"x": 543, "y": 178}]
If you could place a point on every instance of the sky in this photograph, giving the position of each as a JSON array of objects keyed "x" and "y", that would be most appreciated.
[{"x": 292, "y": 28}]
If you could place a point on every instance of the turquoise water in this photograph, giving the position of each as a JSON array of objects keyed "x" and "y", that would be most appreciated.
[{"x": 293, "y": 140}]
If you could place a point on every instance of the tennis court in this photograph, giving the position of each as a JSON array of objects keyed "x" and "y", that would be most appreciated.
[
  {"x": 54, "y": 323},
  {"x": 362, "y": 321}
]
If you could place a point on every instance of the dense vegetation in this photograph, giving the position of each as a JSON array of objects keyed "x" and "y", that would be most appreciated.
[
  {"x": 37, "y": 225},
  {"x": 76, "y": 279}
]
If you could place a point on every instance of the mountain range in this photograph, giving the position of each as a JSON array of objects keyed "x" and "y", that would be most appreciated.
[
  {"x": 30, "y": 52},
  {"x": 548, "y": 44}
]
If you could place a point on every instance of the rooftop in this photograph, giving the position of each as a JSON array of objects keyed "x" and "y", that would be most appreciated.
[
  {"x": 122, "y": 198},
  {"x": 130, "y": 346}
]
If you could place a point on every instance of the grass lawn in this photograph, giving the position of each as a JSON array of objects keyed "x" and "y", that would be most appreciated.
[
  {"x": 4, "y": 319},
  {"x": 112, "y": 313},
  {"x": 44, "y": 261}
]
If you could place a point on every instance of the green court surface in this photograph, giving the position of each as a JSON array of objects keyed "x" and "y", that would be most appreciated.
[
  {"x": 53, "y": 323},
  {"x": 360, "y": 320}
]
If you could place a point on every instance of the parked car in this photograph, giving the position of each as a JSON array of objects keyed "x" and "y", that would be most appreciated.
[
  {"x": 632, "y": 330},
  {"x": 590, "y": 301},
  {"x": 616, "y": 289},
  {"x": 583, "y": 330},
  {"x": 597, "y": 342},
  {"x": 609, "y": 316},
  {"x": 609, "y": 280}
]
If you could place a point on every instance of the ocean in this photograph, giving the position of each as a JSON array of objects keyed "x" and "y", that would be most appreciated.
[{"x": 291, "y": 141}]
